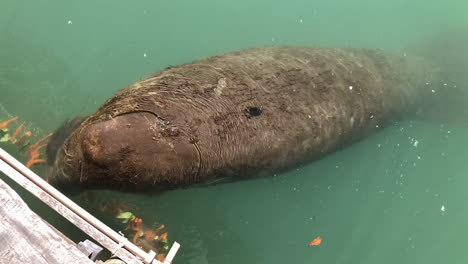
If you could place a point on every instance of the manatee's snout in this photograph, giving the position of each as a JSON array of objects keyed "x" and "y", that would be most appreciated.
[
  {"x": 107, "y": 143},
  {"x": 135, "y": 148}
]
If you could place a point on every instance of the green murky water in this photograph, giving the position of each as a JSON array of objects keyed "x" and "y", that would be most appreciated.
[{"x": 397, "y": 196}]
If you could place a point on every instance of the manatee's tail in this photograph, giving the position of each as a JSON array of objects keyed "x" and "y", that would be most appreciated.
[{"x": 448, "y": 53}]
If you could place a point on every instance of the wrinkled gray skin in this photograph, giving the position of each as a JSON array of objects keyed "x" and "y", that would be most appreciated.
[{"x": 239, "y": 114}]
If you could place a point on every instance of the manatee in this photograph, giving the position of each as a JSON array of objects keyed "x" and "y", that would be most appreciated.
[{"x": 240, "y": 115}]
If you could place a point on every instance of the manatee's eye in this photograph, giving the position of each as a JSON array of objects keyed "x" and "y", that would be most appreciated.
[{"x": 253, "y": 111}]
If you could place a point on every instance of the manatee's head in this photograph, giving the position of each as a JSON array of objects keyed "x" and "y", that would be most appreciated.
[{"x": 133, "y": 150}]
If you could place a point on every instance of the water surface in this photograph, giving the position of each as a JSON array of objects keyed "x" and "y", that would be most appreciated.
[{"x": 396, "y": 197}]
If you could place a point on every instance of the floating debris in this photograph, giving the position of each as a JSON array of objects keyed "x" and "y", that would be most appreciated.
[
  {"x": 317, "y": 241},
  {"x": 146, "y": 237},
  {"x": 20, "y": 139},
  {"x": 34, "y": 152},
  {"x": 4, "y": 124}
]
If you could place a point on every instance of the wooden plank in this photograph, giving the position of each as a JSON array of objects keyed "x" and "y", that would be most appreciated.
[{"x": 27, "y": 238}]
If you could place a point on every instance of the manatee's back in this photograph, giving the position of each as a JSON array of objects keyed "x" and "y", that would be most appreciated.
[{"x": 272, "y": 107}]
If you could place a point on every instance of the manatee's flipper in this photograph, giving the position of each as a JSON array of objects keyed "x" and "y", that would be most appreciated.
[{"x": 59, "y": 136}]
